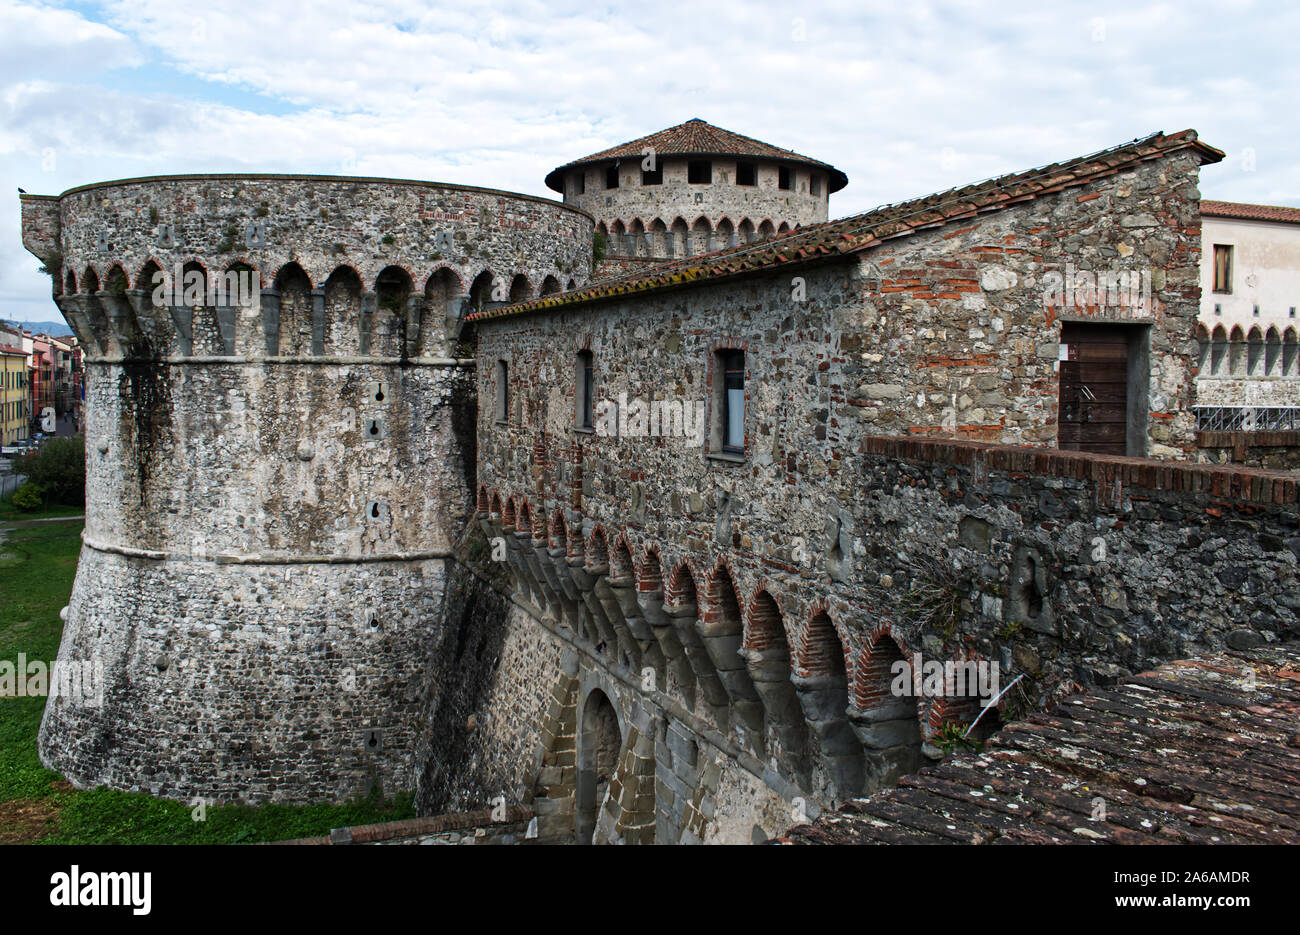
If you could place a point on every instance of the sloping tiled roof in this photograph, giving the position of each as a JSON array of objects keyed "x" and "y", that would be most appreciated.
[
  {"x": 1189, "y": 753},
  {"x": 862, "y": 231},
  {"x": 696, "y": 138},
  {"x": 1235, "y": 209}
]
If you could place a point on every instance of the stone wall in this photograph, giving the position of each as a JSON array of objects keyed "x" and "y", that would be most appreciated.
[{"x": 1278, "y": 451}]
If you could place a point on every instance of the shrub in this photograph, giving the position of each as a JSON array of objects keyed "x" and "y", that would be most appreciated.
[
  {"x": 29, "y": 497},
  {"x": 59, "y": 468}
]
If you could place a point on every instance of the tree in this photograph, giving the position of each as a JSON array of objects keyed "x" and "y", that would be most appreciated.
[{"x": 59, "y": 469}]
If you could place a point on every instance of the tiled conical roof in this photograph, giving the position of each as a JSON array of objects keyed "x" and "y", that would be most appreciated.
[{"x": 697, "y": 138}]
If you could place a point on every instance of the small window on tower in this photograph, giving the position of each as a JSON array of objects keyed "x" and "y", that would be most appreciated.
[
  {"x": 579, "y": 183},
  {"x": 783, "y": 179},
  {"x": 729, "y": 402},
  {"x": 699, "y": 172},
  {"x": 746, "y": 173},
  {"x": 585, "y": 397},
  {"x": 503, "y": 392},
  {"x": 814, "y": 184},
  {"x": 611, "y": 176},
  {"x": 653, "y": 176}
]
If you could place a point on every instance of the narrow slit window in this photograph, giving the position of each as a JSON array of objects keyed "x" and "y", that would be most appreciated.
[
  {"x": 503, "y": 392},
  {"x": 586, "y": 390}
]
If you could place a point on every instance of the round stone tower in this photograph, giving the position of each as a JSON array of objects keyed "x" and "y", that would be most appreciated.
[
  {"x": 279, "y": 457},
  {"x": 694, "y": 188}
]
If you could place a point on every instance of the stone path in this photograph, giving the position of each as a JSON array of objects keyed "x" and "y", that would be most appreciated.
[{"x": 1201, "y": 751}]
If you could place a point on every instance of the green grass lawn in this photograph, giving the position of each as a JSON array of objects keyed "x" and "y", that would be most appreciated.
[{"x": 37, "y": 565}]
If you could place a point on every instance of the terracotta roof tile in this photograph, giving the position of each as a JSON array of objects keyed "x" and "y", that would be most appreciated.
[
  {"x": 1234, "y": 209},
  {"x": 861, "y": 231},
  {"x": 1184, "y": 754},
  {"x": 696, "y": 138}
]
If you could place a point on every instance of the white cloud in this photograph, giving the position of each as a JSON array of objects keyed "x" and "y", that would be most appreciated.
[{"x": 905, "y": 101}]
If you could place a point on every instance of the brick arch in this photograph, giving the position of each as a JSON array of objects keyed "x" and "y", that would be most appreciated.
[
  {"x": 116, "y": 280},
  {"x": 446, "y": 273},
  {"x": 1202, "y": 332},
  {"x": 494, "y": 504},
  {"x": 621, "y": 563},
  {"x": 523, "y": 515},
  {"x": 575, "y": 545},
  {"x": 289, "y": 269},
  {"x": 766, "y": 228},
  {"x": 90, "y": 279},
  {"x": 722, "y": 626},
  {"x": 768, "y": 659},
  {"x": 681, "y": 585},
  {"x": 571, "y": 285},
  {"x": 508, "y": 511},
  {"x": 745, "y": 230},
  {"x": 597, "y": 547},
  {"x": 872, "y": 671},
  {"x": 550, "y": 285},
  {"x": 482, "y": 498},
  {"x": 1220, "y": 333},
  {"x": 649, "y": 572},
  {"x": 821, "y": 639},
  {"x": 558, "y": 533},
  {"x": 144, "y": 275},
  {"x": 757, "y": 639},
  {"x": 784, "y": 228},
  {"x": 70, "y": 282}
]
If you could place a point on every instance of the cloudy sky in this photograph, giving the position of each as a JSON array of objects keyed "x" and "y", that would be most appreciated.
[{"x": 906, "y": 98}]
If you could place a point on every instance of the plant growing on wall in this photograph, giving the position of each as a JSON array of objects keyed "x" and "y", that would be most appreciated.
[{"x": 598, "y": 247}]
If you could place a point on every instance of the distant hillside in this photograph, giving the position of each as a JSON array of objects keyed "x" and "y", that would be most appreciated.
[{"x": 52, "y": 328}]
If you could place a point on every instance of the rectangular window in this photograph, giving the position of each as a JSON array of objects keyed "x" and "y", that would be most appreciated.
[
  {"x": 746, "y": 173},
  {"x": 611, "y": 176},
  {"x": 580, "y": 183},
  {"x": 699, "y": 172},
  {"x": 1222, "y": 268},
  {"x": 783, "y": 177},
  {"x": 814, "y": 184},
  {"x": 653, "y": 176},
  {"x": 503, "y": 392},
  {"x": 730, "y": 374},
  {"x": 585, "y": 395}
]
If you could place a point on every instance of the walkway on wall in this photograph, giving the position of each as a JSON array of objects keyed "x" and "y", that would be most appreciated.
[{"x": 1203, "y": 751}]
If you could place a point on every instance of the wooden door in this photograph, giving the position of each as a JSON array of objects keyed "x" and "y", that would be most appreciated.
[{"x": 1093, "y": 412}]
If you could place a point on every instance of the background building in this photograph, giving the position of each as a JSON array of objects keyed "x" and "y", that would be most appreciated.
[
  {"x": 15, "y": 404},
  {"x": 1249, "y": 374},
  {"x": 695, "y": 188}
]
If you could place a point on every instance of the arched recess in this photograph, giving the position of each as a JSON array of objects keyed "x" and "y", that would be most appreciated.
[
  {"x": 823, "y": 689},
  {"x": 1290, "y": 364},
  {"x": 342, "y": 310},
  {"x": 599, "y": 742},
  {"x": 726, "y": 234},
  {"x": 681, "y": 238},
  {"x": 1255, "y": 352},
  {"x": 886, "y": 722},
  {"x": 442, "y": 312},
  {"x": 205, "y": 332},
  {"x": 722, "y": 629},
  {"x": 70, "y": 283},
  {"x": 1272, "y": 353},
  {"x": 295, "y": 311},
  {"x": 508, "y": 514},
  {"x": 766, "y": 229},
  {"x": 767, "y": 657},
  {"x": 701, "y": 236},
  {"x": 636, "y": 238},
  {"x": 1237, "y": 352},
  {"x": 745, "y": 231},
  {"x": 494, "y": 506},
  {"x": 387, "y": 329},
  {"x": 155, "y": 322},
  {"x": 681, "y": 605},
  {"x": 481, "y": 291},
  {"x": 550, "y": 285},
  {"x": 784, "y": 228},
  {"x": 658, "y": 243},
  {"x": 571, "y": 285},
  {"x": 1218, "y": 351},
  {"x": 521, "y": 290}
]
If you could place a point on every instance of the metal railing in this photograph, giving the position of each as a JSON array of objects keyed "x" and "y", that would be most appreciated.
[{"x": 1247, "y": 418}]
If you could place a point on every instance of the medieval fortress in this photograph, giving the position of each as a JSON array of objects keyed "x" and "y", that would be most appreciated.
[{"x": 362, "y": 528}]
